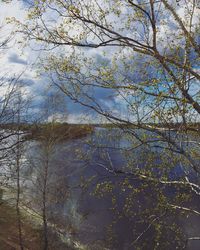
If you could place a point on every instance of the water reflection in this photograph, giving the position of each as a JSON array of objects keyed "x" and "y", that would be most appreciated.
[{"x": 95, "y": 193}]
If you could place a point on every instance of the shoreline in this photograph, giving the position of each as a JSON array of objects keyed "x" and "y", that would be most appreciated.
[{"x": 33, "y": 221}]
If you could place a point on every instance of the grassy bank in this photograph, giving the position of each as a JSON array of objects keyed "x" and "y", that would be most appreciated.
[
  {"x": 9, "y": 237},
  {"x": 32, "y": 233}
]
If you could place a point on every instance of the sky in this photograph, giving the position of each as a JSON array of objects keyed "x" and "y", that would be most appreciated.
[{"x": 18, "y": 60}]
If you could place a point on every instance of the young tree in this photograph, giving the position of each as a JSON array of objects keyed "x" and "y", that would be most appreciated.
[
  {"x": 145, "y": 55},
  {"x": 13, "y": 108},
  {"x": 49, "y": 186},
  {"x": 152, "y": 66},
  {"x": 9, "y": 88}
]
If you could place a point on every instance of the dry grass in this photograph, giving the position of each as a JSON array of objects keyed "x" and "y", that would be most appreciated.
[{"x": 32, "y": 235}]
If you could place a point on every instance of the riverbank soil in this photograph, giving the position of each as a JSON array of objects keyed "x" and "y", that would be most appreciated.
[
  {"x": 9, "y": 236},
  {"x": 32, "y": 236}
]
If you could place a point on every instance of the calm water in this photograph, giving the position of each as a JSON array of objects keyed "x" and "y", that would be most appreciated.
[{"x": 112, "y": 218}]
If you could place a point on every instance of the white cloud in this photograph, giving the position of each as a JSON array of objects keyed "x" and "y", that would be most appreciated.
[
  {"x": 17, "y": 60},
  {"x": 71, "y": 118},
  {"x": 11, "y": 65}
]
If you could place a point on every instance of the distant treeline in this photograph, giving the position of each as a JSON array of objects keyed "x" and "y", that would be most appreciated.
[
  {"x": 174, "y": 126},
  {"x": 66, "y": 131},
  {"x": 60, "y": 131}
]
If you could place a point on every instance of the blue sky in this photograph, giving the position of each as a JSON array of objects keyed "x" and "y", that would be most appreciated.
[{"x": 17, "y": 59}]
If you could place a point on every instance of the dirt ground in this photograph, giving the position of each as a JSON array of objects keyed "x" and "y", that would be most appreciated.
[{"x": 32, "y": 236}]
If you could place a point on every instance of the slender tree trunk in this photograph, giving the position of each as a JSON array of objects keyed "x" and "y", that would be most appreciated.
[
  {"x": 18, "y": 208},
  {"x": 18, "y": 155},
  {"x": 44, "y": 214}
]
